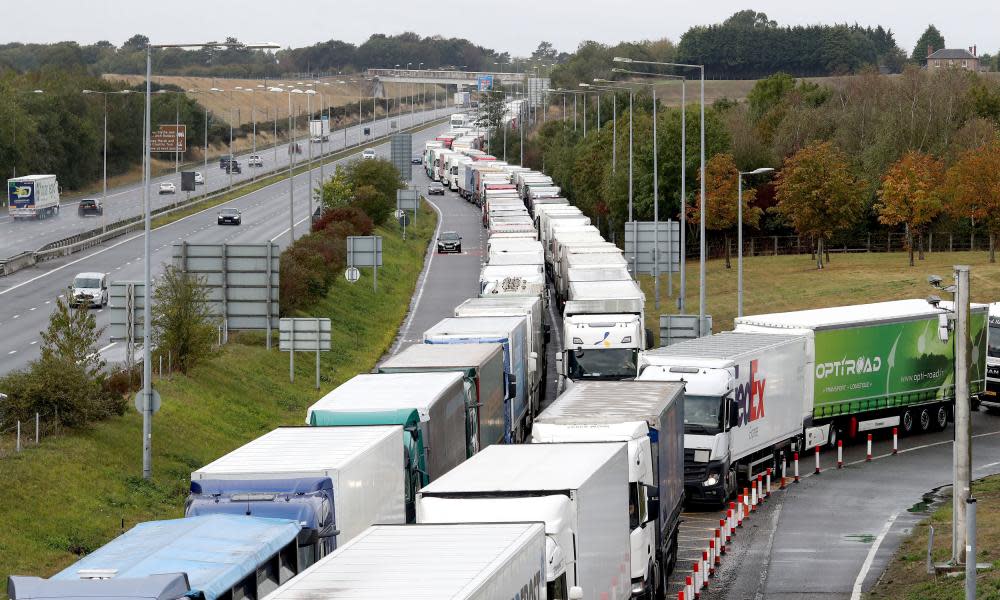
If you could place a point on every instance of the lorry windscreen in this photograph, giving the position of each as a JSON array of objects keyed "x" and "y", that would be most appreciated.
[
  {"x": 993, "y": 343},
  {"x": 606, "y": 363},
  {"x": 702, "y": 414}
]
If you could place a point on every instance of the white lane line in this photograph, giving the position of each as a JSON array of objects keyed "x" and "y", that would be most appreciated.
[
  {"x": 33, "y": 308},
  {"x": 12, "y": 352},
  {"x": 101, "y": 351},
  {"x": 287, "y": 229},
  {"x": 33, "y": 343},
  {"x": 856, "y": 593},
  {"x": 423, "y": 281},
  {"x": 767, "y": 554},
  {"x": 17, "y": 316}
]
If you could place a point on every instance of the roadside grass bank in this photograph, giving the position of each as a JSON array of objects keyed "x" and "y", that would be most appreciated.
[
  {"x": 906, "y": 578},
  {"x": 783, "y": 283},
  {"x": 74, "y": 492}
]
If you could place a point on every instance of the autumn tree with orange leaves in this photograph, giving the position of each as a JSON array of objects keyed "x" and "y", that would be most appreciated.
[
  {"x": 911, "y": 195},
  {"x": 972, "y": 186},
  {"x": 721, "y": 187},
  {"x": 817, "y": 194}
]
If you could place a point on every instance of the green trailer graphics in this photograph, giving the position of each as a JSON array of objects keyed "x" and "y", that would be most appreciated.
[{"x": 872, "y": 367}]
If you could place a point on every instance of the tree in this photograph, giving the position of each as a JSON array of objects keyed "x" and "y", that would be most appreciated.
[
  {"x": 183, "y": 321},
  {"x": 816, "y": 193},
  {"x": 545, "y": 52},
  {"x": 931, "y": 37},
  {"x": 338, "y": 191},
  {"x": 375, "y": 204},
  {"x": 911, "y": 195},
  {"x": 492, "y": 107},
  {"x": 72, "y": 337},
  {"x": 379, "y": 173},
  {"x": 972, "y": 185},
  {"x": 721, "y": 205}
]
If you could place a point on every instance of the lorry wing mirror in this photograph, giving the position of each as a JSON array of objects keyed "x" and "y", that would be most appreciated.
[
  {"x": 511, "y": 386},
  {"x": 576, "y": 593},
  {"x": 652, "y": 502},
  {"x": 649, "y": 339},
  {"x": 548, "y": 333},
  {"x": 734, "y": 413}
]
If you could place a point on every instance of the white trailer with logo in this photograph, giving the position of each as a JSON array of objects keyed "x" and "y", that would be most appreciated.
[{"x": 33, "y": 197}]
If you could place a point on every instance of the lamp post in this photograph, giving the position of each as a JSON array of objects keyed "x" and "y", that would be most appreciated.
[
  {"x": 291, "y": 160},
  {"x": 631, "y": 97},
  {"x": 147, "y": 389},
  {"x": 701, "y": 210},
  {"x": 104, "y": 177},
  {"x": 309, "y": 94},
  {"x": 739, "y": 236},
  {"x": 682, "y": 243}
]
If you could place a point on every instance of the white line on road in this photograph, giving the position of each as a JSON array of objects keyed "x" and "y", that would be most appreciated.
[
  {"x": 856, "y": 593},
  {"x": 767, "y": 553},
  {"x": 33, "y": 343},
  {"x": 12, "y": 352},
  {"x": 423, "y": 279},
  {"x": 101, "y": 351}
]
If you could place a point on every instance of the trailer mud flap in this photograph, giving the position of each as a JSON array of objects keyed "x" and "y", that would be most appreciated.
[{"x": 817, "y": 436}]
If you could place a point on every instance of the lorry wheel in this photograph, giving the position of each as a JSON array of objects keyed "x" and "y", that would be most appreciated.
[
  {"x": 925, "y": 420},
  {"x": 834, "y": 435},
  {"x": 940, "y": 417},
  {"x": 906, "y": 422}
]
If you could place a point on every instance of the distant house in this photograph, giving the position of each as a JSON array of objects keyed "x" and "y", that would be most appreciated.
[{"x": 957, "y": 58}]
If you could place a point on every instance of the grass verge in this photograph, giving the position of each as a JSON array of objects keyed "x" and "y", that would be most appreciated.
[
  {"x": 906, "y": 578},
  {"x": 783, "y": 283},
  {"x": 73, "y": 493}
]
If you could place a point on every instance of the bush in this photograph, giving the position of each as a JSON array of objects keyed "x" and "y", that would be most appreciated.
[
  {"x": 375, "y": 204},
  {"x": 359, "y": 221},
  {"x": 62, "y": 391}
]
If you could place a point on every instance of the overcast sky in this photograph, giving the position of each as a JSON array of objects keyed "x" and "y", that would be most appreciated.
[{"x": 515, "y": 26}]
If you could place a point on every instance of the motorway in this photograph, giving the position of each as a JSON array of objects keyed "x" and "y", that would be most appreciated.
[
  {"x": 126, "y": 201},
  {"x": 27, "y": 297}
]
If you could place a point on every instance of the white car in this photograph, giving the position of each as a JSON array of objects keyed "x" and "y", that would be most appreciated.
[
  {"x": 199, "y": 179},
  {"x": 368, "y": 154},
  {"x": 89, "y": 289},
  {"x": 168, "y": 188},
  {"x": 255, "y": 161}
]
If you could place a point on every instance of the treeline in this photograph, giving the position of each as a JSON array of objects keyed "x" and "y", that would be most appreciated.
[
  {"x": 865, "y": 125},
  {"x": 236, "y": 60},
  {"x": 748, "y": 45}
]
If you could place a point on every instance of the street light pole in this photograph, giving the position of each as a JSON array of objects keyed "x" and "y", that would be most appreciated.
[
  {"x": 739, "y": 235},
  {"x": 701, "y": 210}
]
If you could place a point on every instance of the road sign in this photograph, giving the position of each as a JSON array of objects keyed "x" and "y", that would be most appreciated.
[
  {"x": 365, "y": 251},
  {"x": 155, "y": 400},
  {"x": 169, "y": 138},
  {"x": 408, "y": 199},
  {"x": 400, "y": 154},
  {"x": 404, "y": 219},
  {"x": 304, "y": 335},
  {"x": 398, "y": 214},
  {"x": 484, "y": 83},
  {"x": 187, "y": 181},
  {"x": 668, "y": 242},
  {"x": 677, "y": 328},
  {"x": 352, "y": 274}
]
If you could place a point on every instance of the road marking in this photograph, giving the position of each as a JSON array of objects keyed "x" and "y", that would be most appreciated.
[
  {"x": 101, "y": 351},
  {"x": 33, "y": 343},
  {"x": 12, "y": 352},
  {"x": 856, "y": 593},
  {"x": 423, "y": 280},
  {"x": 16, "y": 316}
]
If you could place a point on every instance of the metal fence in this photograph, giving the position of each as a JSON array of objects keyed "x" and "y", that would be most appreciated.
[{"x": 773, "y": 245}]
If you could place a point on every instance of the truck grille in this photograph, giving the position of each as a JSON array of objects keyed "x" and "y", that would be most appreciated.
[{"x": 694, "y": 471}]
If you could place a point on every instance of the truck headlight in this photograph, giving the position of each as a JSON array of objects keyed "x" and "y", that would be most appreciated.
[{"x": 713, "y": 479}]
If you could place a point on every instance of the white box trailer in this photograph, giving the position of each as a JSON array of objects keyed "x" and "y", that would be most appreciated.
[
  {"x": 533, "y": 203},
  {"x": 326, "y": 478},
  {"x": 32, "y": 197},
  {"x": 512, "y": 280},
  {"x": 528, "y": 257},
  {"x": 572, "y": 233},
  {"x": 649, "y": 417},
  {"x": 530, "y": 308},
  {"x": 580, "y": 492},
  {"x": 603, "y": 253},
  {"x": 439, "y": 398},
  {"x": 522, "y": 247},
  {"x": 468, "y": 561},
  {"x": 991, "y": 396}
]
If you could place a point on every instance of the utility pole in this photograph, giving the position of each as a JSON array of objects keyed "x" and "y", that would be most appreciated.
[{"x": 962, "y": 450}]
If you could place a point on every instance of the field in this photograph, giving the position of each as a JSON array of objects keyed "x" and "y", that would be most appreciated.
[
  {"x": 782, "y": 283},
  {"x": 243, "y": 106},
  {"x": 907, "y": 577},
  {"x": 74, "y": 492}
]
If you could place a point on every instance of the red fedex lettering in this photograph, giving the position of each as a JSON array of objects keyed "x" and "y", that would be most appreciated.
[{"x": 756, "y": 391}]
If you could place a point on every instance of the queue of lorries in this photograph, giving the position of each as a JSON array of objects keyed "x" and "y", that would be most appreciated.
[{"x": 439, "y": 475}]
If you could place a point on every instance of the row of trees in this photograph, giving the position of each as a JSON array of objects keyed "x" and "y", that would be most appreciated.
[
  {"x": 235, "y": 59},
  {"x": 914, "y": 153}
]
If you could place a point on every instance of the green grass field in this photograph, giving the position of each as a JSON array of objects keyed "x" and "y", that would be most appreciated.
[
  {"x": 782, "y": 283},
  {"x": 74, "y": 492},
  {"x": 906, "y": 578}
]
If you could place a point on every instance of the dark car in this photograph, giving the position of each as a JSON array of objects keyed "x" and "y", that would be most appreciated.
[
  {"x": 91, "y": 206},
  {"x": 449, "y": 241},
  {"x": 224, "y": 161},
  {"x": 417, "y": 160},
  {"x": 234, "y": 167},
  {"x": 230, "y": 216},
  {"x": 435, "y": 189}
]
